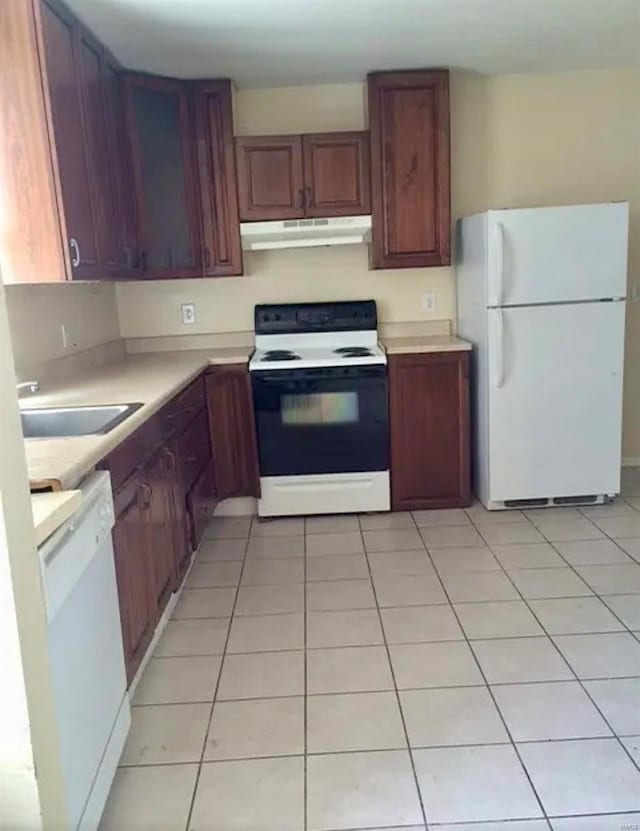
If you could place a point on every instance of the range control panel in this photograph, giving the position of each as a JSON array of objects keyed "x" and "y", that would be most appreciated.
[{"x": 290, "y": 318}]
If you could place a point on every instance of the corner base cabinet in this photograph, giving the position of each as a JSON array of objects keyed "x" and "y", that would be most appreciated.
[{"x": 429, "y": 426}]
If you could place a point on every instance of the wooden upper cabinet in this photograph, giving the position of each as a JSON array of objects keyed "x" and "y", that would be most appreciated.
[
  {"x": 159, "y": 120},
  {"x": 121, "y": 169},
  {"x": 410, "y": 182},
  {"x": 104, "y": 178},
  {"x": 222, "y": 252},
  {"x": 233, "y": 432},
  {"x": 429, "y": 430},
  {"x": 63, "y": 73},
  {"x": 32, "y": 246},
  {"x": 336, "y": 174},
  {"x": 270, "y": 177},
  {"x": 291, "y": 177}
]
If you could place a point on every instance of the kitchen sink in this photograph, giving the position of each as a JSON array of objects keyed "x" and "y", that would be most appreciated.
[{"x": 60, "y": 422}]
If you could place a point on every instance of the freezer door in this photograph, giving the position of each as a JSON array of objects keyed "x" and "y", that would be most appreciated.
[
  {"x": 555, "y": 400},
  {"x": 555, "y": 255}
]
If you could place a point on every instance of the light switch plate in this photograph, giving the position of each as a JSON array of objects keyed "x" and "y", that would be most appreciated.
[{"x": 188, "y": 313}]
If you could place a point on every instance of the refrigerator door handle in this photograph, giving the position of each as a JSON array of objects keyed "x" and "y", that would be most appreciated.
[
  {"x": 498, "y": 352},
  {"x": 498, "y": 278}
]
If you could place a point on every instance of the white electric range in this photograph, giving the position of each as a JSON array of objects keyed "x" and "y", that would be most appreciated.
[{"x": 319, "y": 378}]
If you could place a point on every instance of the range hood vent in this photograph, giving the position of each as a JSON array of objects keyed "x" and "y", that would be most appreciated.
[{"x": 304, "y": 233}]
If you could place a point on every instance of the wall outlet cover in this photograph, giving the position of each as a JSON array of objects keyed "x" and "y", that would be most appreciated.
[
  {"x": 429, "y": 302},
  {"x": 188, "y": 313}
]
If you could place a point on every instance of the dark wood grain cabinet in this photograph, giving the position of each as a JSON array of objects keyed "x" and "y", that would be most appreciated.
[
  {"x": 67, "y": 62},
  {"x": 410, "y": 178},
  {"x": 164, "y": 494},
  {"x": 270, "y": 177},
  {"x": 336, "y": 174},
  {"x": 314, "y": 175},
  {"x": 222, "y": 252},
  {"x": 430, "y": 432},
  {"x": 160, "y": 125},
  {"x": 233, "y": 432},
  {"x": 132, "y": 552}
]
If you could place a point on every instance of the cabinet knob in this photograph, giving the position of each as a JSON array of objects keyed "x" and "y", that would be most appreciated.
[{"x": 75, "y": 252}]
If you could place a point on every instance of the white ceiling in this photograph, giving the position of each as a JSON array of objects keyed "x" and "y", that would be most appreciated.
[{"x": 262, "y": 43}]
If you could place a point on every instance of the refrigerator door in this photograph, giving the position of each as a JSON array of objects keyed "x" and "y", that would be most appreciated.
[
  {"x": 557, "y": 255},
  {"x": 555, "y": 401}
]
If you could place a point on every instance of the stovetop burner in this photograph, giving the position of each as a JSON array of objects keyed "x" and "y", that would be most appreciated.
[
  {"x": 280, "y": 355},
  {"x": 353, "y": 351}
]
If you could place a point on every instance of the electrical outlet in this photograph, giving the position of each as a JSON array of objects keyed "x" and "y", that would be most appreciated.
[
  {"x": 69, "y": 340},
  {"x": 188, "y": 313},
  {"x": 635, "y": 293},
  {"x": 429, "y": 302}
]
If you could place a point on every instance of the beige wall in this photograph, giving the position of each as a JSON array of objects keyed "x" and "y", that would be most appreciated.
[
  {"x": 226, "y": 305},
  {"x": 36, "y": 313},
  {"x": 571, "y": 138}
]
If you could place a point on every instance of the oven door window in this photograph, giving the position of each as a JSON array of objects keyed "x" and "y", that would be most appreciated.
[
  {"x": 319, "y": 409},
  {"x": 308, "y": 424}
]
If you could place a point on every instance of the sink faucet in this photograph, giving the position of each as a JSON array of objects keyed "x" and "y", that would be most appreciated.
[{"x": 32, "y": 386}]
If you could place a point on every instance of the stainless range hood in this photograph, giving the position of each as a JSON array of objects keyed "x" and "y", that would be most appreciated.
[{"x": 305, "y": 233}]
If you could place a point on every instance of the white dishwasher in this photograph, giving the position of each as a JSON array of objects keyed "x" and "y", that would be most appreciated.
[{"x": 85, "y": 647}]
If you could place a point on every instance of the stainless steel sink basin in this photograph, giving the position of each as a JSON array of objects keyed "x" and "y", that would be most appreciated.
[{"x": 60, "y": 422}]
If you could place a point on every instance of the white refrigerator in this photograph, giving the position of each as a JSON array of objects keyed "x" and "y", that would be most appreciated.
[{"x": 541, "y": 296}]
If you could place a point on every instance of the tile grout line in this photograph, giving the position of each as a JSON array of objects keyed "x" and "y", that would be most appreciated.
[
  {"x": 393, "y": 678},
  {"x": 217, "y": 684},
  {"x": 486, "y": 683},
  {"x": 579, "y": 680}
]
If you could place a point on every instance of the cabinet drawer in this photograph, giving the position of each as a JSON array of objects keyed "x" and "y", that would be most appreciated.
[
  {"x": 201, "y": 503},
  {"x": 129, "y": 455},
  {"x": 189, "y": 403},
  {"x": 168, "y": 418},
  {"x": 194, "y": 449}
]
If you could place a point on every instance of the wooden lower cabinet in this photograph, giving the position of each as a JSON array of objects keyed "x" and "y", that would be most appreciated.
[
  {"x": 429, "y": 426},
  {"x": 158, "y": 492},
  {"x": 178, "y": 515},
  {"x": 131, "y": 543},
  {"x": 201, "y": 503},
  {"x": 163, "y": 503},
  {"x": 233, "y": 431}
]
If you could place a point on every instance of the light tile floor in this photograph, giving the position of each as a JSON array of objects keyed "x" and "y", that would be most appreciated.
[{"x": 468, "y": 670}]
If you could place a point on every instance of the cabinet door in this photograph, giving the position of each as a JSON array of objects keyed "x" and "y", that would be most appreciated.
[
  {"x": 410, "y": 187},
  {"x": 201, "y": 502},
  {"x": 270, "y": 177},
  {"x": 122, "y": 170},
  {"x": 157, "y": 492},
  {"x": 62, "y": 72},
  {"x": 104, "y": 178},
  {"x": 131, "y": 549},
  {"x": 336, "y": 174},
  {"x": 160, "y": 130},
  {"x": 429, "y": 423},
  {"x": 178, "y": 507},
  {"x": 233, "y": 437},
  {"x": 217, "y": 172}
]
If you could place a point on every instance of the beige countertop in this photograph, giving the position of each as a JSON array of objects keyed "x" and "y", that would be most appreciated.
[
  {"x": 424, "y": 343},
  {"x": 152, "y": 379},
  {"x": 50, "y": 510}
]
